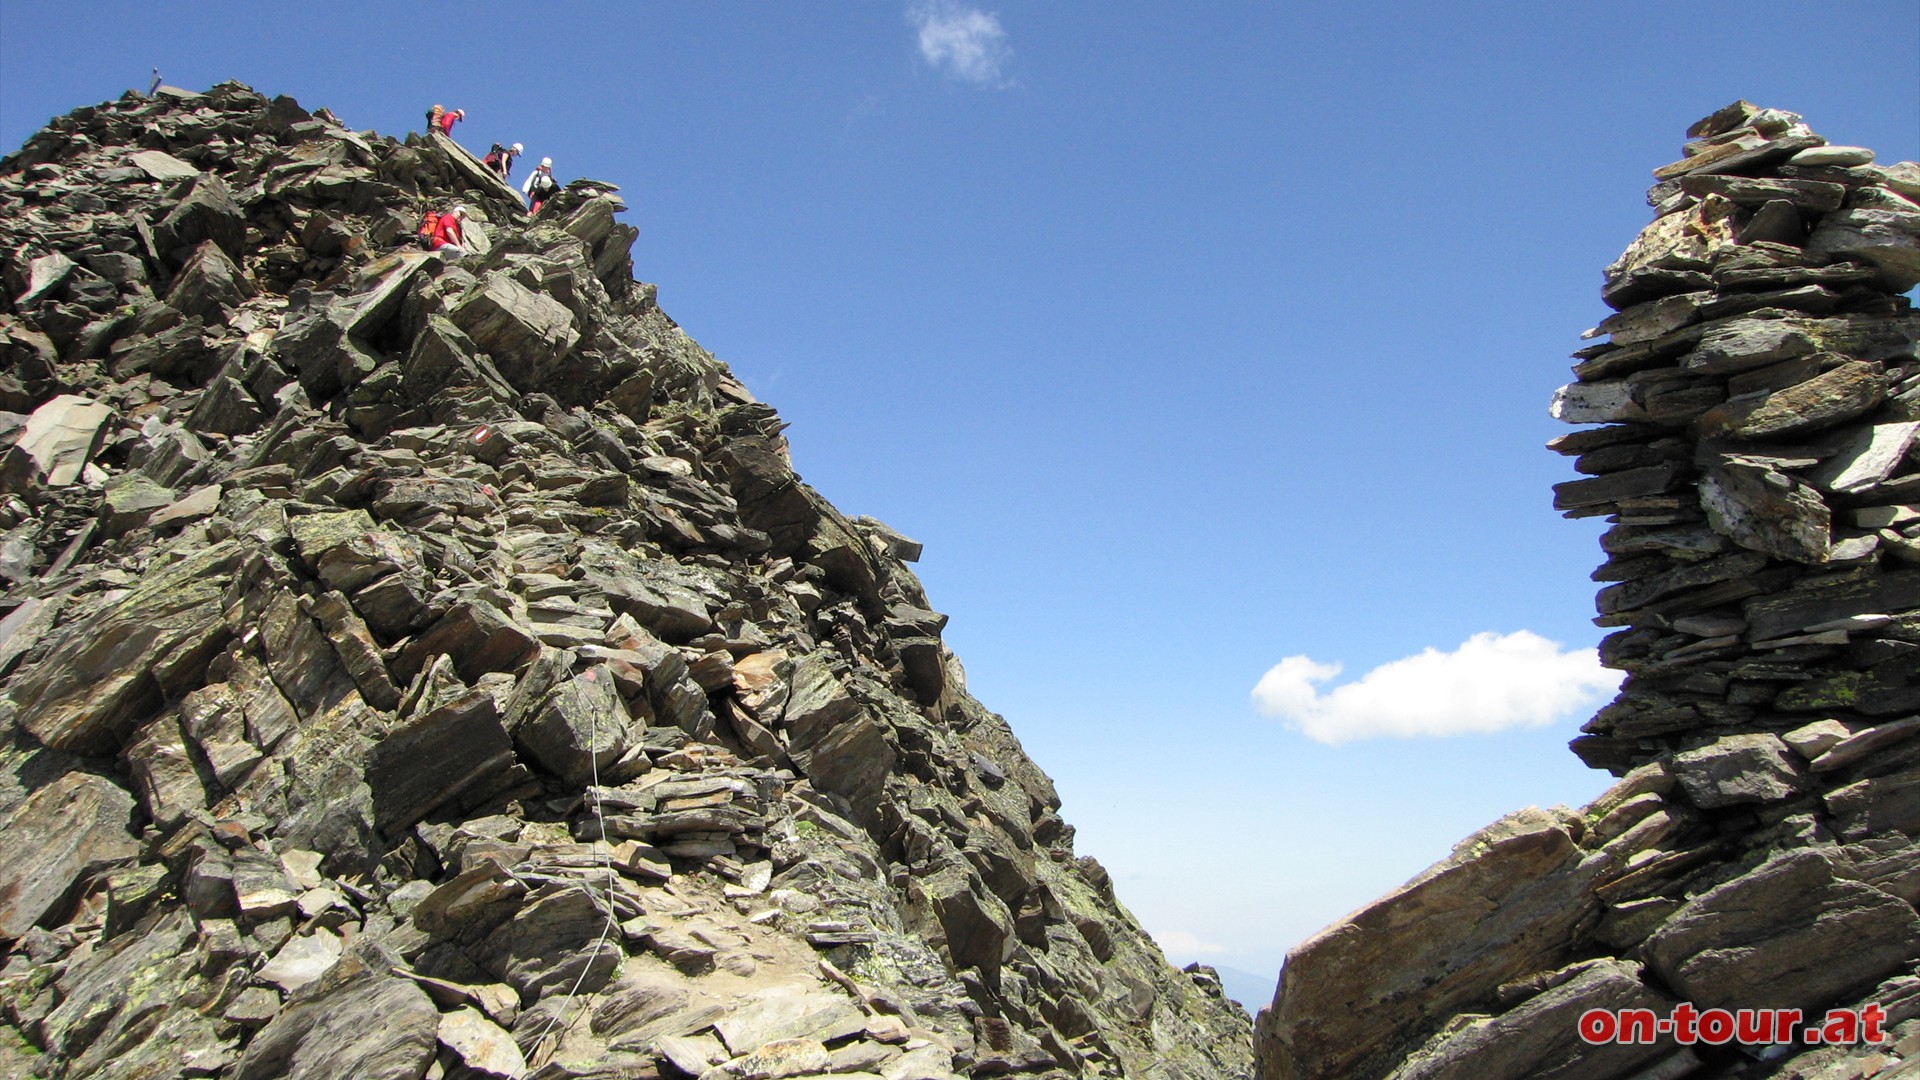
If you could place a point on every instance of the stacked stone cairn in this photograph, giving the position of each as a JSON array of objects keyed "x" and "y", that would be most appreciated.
[
  {"x": 417, "y": 668},
  {"x": 1758, "y": 396}
]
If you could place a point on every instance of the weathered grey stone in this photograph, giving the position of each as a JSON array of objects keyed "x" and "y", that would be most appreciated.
[
  {"x": 346, "y": 550},
  {"x": 355, "y": 1020},
  {"x": 1503, "y": 906},
  {"x": 1625, "y": 484},
  {"x": 1865, "y": 743},
  {"x": 163, "y": 166},
  {"x": 305, "y": 667},
  {"x": 479, "y": 636},
  {"x": 353, "y": 644},
  {"x": 660, "y": 597},
  {"x": 1867, "y": 457},
  {"x": 1596, "y": 403},
  {"x": 583, "y": 727},
  {"x": 471, "y": 904},
  {"x": 1889, "y": 239},
  {"x": 1794, "y": 932},
  {"x": 1540, "y": 1038},
  {"x": 1836, "y": 156},
  {"x": 455, "y": 752},
  {"x": 783, "y": 1058},
  {"x": 481, "y": 1045},
  {"x": 1816, "y": 738},
  {"x": 209, "y": 285},
  {"x": 692, "y": 1054},
  {"x": 1776, "y": 222},
  {"x": 105, "y": 675},
  {"x": 102, "y": 1004},
  {"x": 302, "y": 959},
  {"x": 643, "y": 994},
  {"x": 59, "y": 439},
  {"x": 1853, "y": 389},
  {"x": 1745, "y": 344},
  {"x": 1684, "y": 240},
  {"x": 1776, "y": 616},
  {"x": 67, "y": 831},
  {"x": 441, "y": 357},
  {"x": 851, "y": 758},
  {"x": 971, "y": 923},
  {"x": 1735, "y": 769},
  {"x": 1764, "y": 510},
  {"x": 552, "y": 944},
  {"x": 165, "y": 773},
  {"x": 1653, "y": 319},
  {"x": 326, "y": 358},
  {"x": 128, "y": 500},
  {"x": 44, "y": 275},
  {"x": 524, "y": 332},
  {"x": 785, "y": 1014},
  {"x": 206, "y": 212},
  {"x": 1811, "y": 195},
  {"x": 196, "y": 504}
]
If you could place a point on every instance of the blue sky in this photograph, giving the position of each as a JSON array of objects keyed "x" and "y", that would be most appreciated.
[{"x": 1187, "y": 337}]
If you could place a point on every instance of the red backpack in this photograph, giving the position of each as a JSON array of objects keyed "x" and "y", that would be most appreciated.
[{"x": 428, "y": 225}]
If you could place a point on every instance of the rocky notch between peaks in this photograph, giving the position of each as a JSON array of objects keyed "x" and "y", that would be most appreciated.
[
  {"x": 1758, "y": 396},
  {"x": 426, "y": 669}
]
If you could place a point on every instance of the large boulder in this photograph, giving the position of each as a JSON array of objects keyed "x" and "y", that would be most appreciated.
[
  {"x": 355, "y": 1020},
  {"x": 1359, "y": 993},
  {"x": 66, "y": 832},
  {"x": 59, "y": 439},
  {"x": 1797, "y": 931},
  {"x": 206, "y": 212},
  {"x": 209, "y": 285},
  {"x": 110, "y": 673},
  {"x": 524, "y": 332}
]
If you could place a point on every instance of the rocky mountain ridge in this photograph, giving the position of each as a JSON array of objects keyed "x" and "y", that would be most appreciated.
[
  {"x": 418, "y": 668},
  {"x": 1758, "y": 398}
]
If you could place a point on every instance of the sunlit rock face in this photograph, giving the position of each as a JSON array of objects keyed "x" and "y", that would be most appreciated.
[
  {"x": 1754, "y": 402},
  {"x": 435, "y": 667}
]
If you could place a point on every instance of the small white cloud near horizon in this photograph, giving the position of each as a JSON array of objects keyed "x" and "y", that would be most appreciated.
[
  {"x": 1182, "y": 943},
  {"x": 962, "y": 42},
  {"x": 1492, "y": 682}
]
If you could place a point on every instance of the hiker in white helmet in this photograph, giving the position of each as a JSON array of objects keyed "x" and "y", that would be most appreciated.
[
  {"x": 500, "y": 158},
  {"x": 449, "y": 233},
  {"x": 540, "y": 186}
]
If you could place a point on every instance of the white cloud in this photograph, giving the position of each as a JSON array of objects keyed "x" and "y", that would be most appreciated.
[
  {"x": 963, "y": 42},
  {"x": 1182, "y": 943},
  {"x": 1492, "y": 682}
]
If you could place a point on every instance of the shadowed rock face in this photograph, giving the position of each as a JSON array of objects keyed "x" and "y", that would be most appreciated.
[
  {"x": 1757, "y": 395},
  {"x": 437, "y": 668}
]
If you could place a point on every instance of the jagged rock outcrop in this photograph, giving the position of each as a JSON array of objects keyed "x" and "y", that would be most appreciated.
[
  {"x": 1758, "y": 397},
  {"x": 424, "y": 668}
]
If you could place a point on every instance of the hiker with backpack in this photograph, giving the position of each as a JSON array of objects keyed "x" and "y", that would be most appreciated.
[
  {"x": 443, "y": 119},
  {"x": 500, "y": 159},
  {"x": 448, "y": 238},
  {"x": 540, "y": 186}
]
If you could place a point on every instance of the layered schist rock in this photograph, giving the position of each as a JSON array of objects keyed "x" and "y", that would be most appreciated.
[
  {"x": 1757, "y": 396},
  {"x": 423, "y": 668}
]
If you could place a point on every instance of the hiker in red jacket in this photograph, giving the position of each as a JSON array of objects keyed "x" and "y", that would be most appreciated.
[
  {"x": 450, "y": 118},
  {"x": 447, "y": 235}
]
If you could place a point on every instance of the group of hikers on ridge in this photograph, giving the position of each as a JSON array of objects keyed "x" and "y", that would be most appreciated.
[{"x": 444, "y": 232}]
